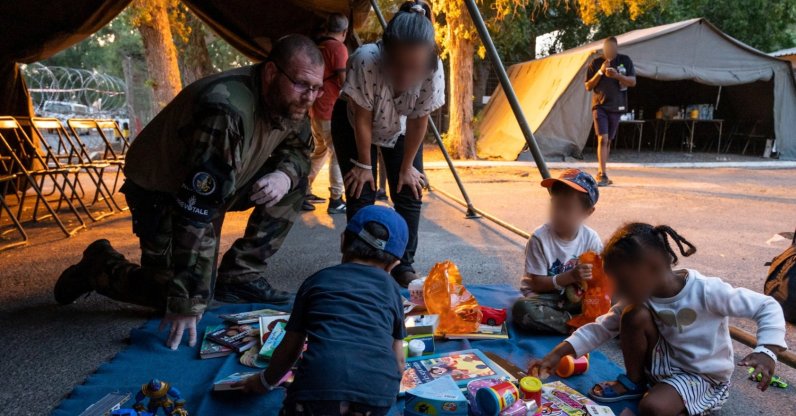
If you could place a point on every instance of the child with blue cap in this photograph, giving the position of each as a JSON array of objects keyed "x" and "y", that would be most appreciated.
[{"x": 351, "y": 316}]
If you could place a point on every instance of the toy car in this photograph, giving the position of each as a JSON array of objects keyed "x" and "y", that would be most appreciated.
[{"x": 492, "y": 316}]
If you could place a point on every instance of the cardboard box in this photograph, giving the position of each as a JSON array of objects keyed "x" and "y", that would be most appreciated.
[
  {"x": 441, "y": 397},
  {"x": 421, "y": 324}
]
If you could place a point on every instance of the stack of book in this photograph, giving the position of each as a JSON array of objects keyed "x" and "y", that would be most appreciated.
[{"x": 240, "y": 333}]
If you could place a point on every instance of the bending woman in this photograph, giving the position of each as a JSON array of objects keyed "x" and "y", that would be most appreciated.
[{"x": 391, "y": 88}]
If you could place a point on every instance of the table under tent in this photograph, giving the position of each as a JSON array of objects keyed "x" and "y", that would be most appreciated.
[{"x": 743, "y": 99}]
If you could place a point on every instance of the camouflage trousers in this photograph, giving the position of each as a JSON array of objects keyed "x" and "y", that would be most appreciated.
[
  {"x": 152, "y": 212},
  {"x": 546, "y": 313}
]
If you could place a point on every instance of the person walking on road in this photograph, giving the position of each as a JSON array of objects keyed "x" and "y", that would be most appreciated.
[{"x": 608, "y": 78}]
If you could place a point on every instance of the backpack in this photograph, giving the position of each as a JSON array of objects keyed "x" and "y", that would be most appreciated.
[{"x": 781, "y": 281}]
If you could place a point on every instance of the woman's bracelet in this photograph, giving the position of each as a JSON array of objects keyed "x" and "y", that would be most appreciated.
[{"x": 360, "y": 164}]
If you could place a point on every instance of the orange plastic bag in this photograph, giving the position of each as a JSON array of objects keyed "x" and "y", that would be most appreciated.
[
  {"x": 445, "y": 295},
  {"x": 597, "y": 298}
]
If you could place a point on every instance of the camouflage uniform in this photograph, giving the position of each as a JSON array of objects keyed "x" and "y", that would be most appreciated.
[
  {"x": 194, "y": 162},
  {"x": 544, "y": 312}
]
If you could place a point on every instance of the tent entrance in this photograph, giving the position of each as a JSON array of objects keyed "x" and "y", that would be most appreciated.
[{"x": 747, "y": 111}]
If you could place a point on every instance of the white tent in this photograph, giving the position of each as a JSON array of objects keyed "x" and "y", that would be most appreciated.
[{"x": 558, "y": 107}]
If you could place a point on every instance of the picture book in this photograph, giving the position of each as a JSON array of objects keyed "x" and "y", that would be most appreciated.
[
  {"x": 210, "y": 349},
  {"x": 274, "y": 338},
  {"x": 484, "y": 332},
  {"x": 225, "y": 384},
  {"x": 238, "y": 337},
  {"x": 463, "y": 366},
  {"x": 249, "y": 317},
  {"x": 558, "y": 399},
  {"x": 267, "y": 324}
]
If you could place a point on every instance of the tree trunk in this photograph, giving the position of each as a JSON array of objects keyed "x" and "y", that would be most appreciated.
[
  {"x": 480, "y": 80},
  {"x": 161, "y": 54},
  {"x": 195, "y": 62},
  {"x": 460, "y": 106}
]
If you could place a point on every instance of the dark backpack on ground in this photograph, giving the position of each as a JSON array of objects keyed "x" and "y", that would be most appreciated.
[{"x": 781, "y": 281}]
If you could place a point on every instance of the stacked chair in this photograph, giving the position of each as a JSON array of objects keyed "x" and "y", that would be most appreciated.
[{"x": 50, "y": 170}]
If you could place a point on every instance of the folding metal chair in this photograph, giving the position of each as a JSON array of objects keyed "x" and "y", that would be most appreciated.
[
  {"x": 112, "y": 153},
  {"x": 7, "y": 179},
  {"x": 27, "y": 164},
  {"x": 96, "y": 159},
  {"x": 62, "y": 154}
]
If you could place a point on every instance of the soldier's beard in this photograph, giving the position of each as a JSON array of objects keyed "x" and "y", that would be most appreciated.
[{"x": 283, "y": 111}]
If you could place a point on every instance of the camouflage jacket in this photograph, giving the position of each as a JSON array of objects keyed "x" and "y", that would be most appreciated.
[{"x": 203, "y": 148}]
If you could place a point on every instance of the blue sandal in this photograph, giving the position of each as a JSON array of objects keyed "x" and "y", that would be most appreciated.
[{"x": 609, "y": 395}]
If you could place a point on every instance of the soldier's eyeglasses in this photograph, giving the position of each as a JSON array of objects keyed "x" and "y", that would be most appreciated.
[{"x": 299, "y": 86}]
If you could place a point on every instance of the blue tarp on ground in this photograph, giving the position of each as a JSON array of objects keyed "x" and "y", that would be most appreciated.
[{"x": 148, "y": 358}]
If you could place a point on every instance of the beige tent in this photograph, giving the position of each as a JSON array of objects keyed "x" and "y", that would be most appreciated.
[{"x": 691, "y": 61}]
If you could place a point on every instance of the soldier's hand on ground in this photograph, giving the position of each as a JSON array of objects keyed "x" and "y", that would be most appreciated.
[
  {"x": 763, "y": 365},
  {"x": 178, "y": 325},
  {"x": 414, "y": 179},
  {"x": 582, "y": 272},
  {"x": 357, "y": 179},
  {"x": 270, "y": 189}
]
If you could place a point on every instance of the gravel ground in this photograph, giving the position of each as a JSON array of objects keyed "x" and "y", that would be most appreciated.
[{"x": 729, "y": 214}]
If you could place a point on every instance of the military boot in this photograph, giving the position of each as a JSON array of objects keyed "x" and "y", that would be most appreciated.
[
  {"x": 78, "y": 279},
  {"x": 254, "y": 291}
]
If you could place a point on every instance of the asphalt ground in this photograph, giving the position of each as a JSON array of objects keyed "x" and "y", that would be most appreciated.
[{"x": 729, "y": 214}]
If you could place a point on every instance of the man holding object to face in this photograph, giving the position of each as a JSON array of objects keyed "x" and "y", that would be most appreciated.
[
  {"x": 608, "y": 78},
  {"x": 229, "y": 142}
]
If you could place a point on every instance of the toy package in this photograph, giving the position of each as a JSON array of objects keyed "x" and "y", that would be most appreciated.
[
  {"x": 441, "y": 397},
  {"x": 558, "y": 399},
  {"x": 597, "y": 296},
  {"x": 462, "y": 366},
  {"x": 445, "y": 295}
]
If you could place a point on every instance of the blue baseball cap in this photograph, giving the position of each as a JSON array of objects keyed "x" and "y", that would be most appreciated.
[
  {"x": 397, "y": 231},
  {"x": 577, "y": 180}
]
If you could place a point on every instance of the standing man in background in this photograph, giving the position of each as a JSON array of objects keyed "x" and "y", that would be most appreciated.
[
  {"x": 335, "y": 57},
  {"x": 608, "y": 78}
]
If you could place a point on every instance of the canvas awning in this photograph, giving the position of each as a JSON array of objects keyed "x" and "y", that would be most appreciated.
[
  {"x": 33, "y": 30},
  {"x": 552, "y": 93}
]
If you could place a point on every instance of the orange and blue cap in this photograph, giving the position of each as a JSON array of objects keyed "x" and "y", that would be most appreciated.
[{"x": 577, "y": 180}]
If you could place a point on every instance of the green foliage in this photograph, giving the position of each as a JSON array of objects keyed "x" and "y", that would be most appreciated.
[
  {"x": 103, "y": 50},
  {"x": 767, "y": 25}
]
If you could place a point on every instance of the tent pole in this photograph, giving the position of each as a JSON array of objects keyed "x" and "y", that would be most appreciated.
[
  {"x": 497, "y": 63},
  {"x": 471, "y": 212}
]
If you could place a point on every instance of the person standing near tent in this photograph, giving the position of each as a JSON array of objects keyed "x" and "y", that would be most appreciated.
[
  {"x": 608, "y": 78},
  {"x": 335, "y": 56},
  {"x": 391, "y": 88},
  {"x": 229, "y": 142}
]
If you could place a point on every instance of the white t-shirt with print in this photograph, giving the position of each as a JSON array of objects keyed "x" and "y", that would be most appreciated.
[
  {"x": 548, "y": 255},
  {"x": 366, "y": 85}
]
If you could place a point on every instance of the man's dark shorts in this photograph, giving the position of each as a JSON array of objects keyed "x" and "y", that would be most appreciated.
[{"x": 606, "y": 122}]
